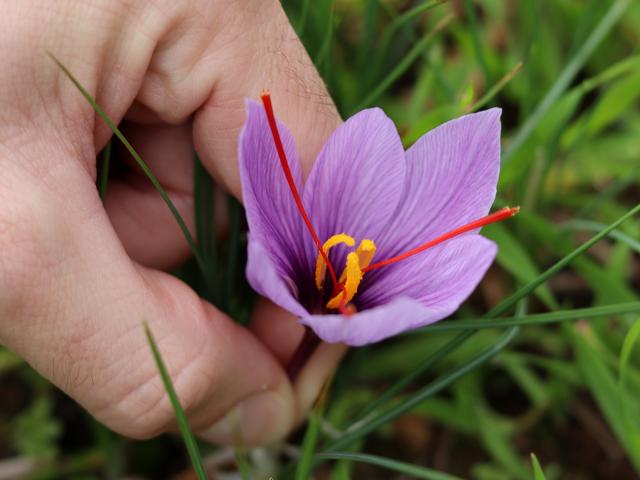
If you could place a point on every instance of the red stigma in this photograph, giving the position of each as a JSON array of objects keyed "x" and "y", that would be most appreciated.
[
  {"x": 268, "y": 108},
  {"x": 498, "y": 216}
]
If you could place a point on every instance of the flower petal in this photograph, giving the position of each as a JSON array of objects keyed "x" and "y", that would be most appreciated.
[
  {"x": 440, "y": 278},
  {"x": 269, "y": 281},
  {"x": 372, "y": 325},
  {"x": 357, "y": 180},
  {"x": 272, "y": 214},
  {"x": 452, "y": 173}
]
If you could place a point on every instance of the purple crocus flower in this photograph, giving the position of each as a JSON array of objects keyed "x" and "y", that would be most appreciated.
[{"x": 345, "y": 251}]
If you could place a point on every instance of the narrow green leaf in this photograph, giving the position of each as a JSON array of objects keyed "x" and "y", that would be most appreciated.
[
  {"x": 478, "y": 50},
  {"x": 311, "y": 435},
  {"x": 514, "y": 258},
  {"x": 616, "y": 10},
  {"x": 424, "y": 393},
  {"x": 302, "y": 22},
  {"x": 606, "y": 392},
  {"x": 405, "y": 63},
  {"x": 615, "y": 101},
  {"x": 589, "y": 225},
  {"x": 242, "y": 459},
  {"x": 534, "y": 319},
  {"x": 233, "y": 255},
  {"x": 627, "y": 347},
  {"x": 499, "y": 85},
  {"x": 629, "y": 402},
  {"x": 497, "y": 442},
  {"x": 538, "y": 473},
  {"x": 204, "y": 213},
  {"x": 399, "y": 22},
  {"x": 181, "y": 418},
  {"x": 321, "y": 60},
  {"x": 416, "y": 373},
  {"x": 401, "y": 467},
  {"x": 104, "y": 170}
]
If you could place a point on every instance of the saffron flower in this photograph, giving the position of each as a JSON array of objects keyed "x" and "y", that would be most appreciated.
[{"x": 377, "y": 241}]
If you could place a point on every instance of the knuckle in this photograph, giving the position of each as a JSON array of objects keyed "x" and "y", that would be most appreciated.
[{"x": 141, "y": 407}]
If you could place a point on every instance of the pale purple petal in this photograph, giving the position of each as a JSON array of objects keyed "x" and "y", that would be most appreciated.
[
  {"x": 357, "y": 180},
  {"x": 269, "y": 281},
  {"x": 452, "y": 173},
  {"x": 440, "y": 278},
  {"x": 273, "y": 217},
  {"x": 373, "y": 325}
]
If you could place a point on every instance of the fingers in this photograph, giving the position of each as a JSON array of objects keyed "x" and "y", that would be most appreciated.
[
  {"x": 81, "y": 324},
  {"x": 253, "y": 47}
]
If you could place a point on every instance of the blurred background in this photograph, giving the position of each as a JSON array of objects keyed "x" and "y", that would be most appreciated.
[{"x": 558, "y": 376}]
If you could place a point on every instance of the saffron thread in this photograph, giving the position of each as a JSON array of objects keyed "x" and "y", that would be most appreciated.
[
  {"x": 498, "y": 216},
  {"x": 268, "y": 107}
]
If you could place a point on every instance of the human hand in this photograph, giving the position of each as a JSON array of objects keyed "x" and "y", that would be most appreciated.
[{"x": 78, "y": 277}]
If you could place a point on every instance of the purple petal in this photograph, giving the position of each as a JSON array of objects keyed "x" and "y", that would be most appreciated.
[
  {"x": 372, "y": 325},
  {"x": 357, "y": 180},
  {"x": 440, "y": 278},
  {"x": 452, "y": 173},
  {"x": 269, "y": 281},
  {"x": 274, "y": 220}
]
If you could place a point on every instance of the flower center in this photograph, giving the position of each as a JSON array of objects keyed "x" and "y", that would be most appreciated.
[{"x": 353, "y": 271}]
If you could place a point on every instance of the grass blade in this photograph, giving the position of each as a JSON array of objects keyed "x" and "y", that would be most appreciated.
[
  {"x": 605, "y": 390},
  {"x": 181, "y": 418},
  {"x": 534, "y": 319},
  {"x": 538, "y": 473},
  {"x": 625, "y": 353},
  {"x": 416, "y": 373},
  {"x": 474, "y": 31},
  {"x": 302, "y": 22},
  {"x": 204, "y": 213},
  {"x": 233, "y": 255},
  {"x": 597, "y": 226},
  {"x": 104, "y": 170},
  {"x": 405, "y": 63},
  {"x": 398, "y": 23},
  {"x": 614, "y": 13},
  {"x": 424, "y": 393},
  {"x": 305, "y": 465},
  {"x": 401, "y": 467},
  {"x": 500, "y": 84}
]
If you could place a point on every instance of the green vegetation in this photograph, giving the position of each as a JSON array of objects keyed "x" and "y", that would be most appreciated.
[{"x": 543, "y": 359}]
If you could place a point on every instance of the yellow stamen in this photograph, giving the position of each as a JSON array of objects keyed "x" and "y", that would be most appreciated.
[
  {"x": 353, "y": 278},
  {"x": 365, "y": 252},
  {"x": 321, "y": 266}
]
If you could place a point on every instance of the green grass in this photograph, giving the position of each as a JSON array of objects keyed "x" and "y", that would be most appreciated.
[{"x": 548, "y": 347}]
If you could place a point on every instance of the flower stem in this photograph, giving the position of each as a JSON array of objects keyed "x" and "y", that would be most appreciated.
[{"x": 305, "y": 348}]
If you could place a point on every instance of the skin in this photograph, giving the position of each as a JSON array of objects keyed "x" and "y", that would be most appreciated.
[{"x": 78, "y": 277}]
